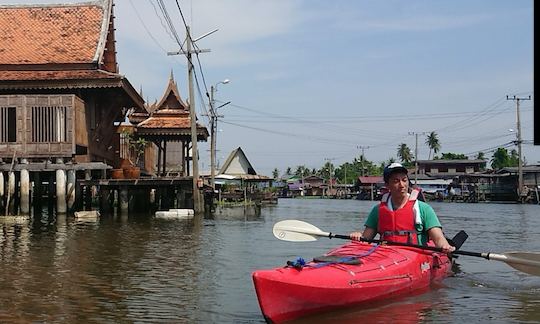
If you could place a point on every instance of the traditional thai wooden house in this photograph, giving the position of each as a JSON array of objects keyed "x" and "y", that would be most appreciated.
[
  {"x": 60, "y": 87},
  {"x": 168, "y": 126}
]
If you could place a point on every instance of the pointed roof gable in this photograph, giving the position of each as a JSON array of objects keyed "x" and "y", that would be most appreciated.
[
  {"x": 171, "y": 99},
  {"x": 57, "y": 34},
  {"x": 170, "y": 116},
  {"x": 237, "y": 164}
]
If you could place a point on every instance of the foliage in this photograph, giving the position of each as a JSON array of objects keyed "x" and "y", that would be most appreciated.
[
  {"x": 451, "y": 156},
  {"x": 136, "y": 146},
  {"x": 275, "y": 173},
  {"x": 501, "y": 159},
  {"x": 302, "y": 171},
  {"x": 433, "y": 143},
  {"x": 404, "y": 153}
]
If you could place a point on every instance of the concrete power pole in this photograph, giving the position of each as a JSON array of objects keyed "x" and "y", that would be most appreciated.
[
  {"x": 416, "y": 155},
  {"x": 518, "y": 125},
  {"x": 197, "y": 201},
  {"x": 213, "y": 131}
]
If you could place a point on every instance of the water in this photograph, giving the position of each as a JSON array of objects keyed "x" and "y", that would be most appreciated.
[{"x": 139, "y": 269}]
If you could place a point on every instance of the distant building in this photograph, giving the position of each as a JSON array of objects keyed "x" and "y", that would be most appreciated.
[{"x": 444, "y": 169}]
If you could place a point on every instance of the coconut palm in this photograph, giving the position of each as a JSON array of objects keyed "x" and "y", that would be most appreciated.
[
  {"x": 404, "y": 153},
  {"x": 275, "y": 173},
  {"x": 433, "y": 143}
]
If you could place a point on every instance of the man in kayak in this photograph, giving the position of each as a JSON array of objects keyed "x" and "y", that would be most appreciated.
[{"x": 401, "y": 217}]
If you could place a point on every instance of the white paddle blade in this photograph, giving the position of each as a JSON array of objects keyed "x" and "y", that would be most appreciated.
[
  {"x": 296, "y": 231},
  {"x": 528, "y": 262}
]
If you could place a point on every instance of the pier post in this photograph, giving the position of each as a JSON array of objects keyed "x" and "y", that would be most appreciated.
[
  {"x": 105, "y": 201},
  {"x": 2, "y": 191},
  {"x": 10, "y": 205},
  {"x": 37, "y": 193},
  {"x": 71, "y": 194},
  {"x": 51, "y": 192},
  {"x": 124, "y": 200},
  {"x": 25, "y": 192},
  {"x": 61, "y": 207},
  {"x": 87, "y": 191}
]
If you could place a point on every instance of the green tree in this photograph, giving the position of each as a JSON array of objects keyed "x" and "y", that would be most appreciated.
[
  {"x": 301, "y": 171},
  {"x": 433, "y": 143},
  {"x": 451, "y": 156},
  {"x": 404, "y": 153},
  {"x": 481, "y": 156},
  {"x": 288, "y": 172},
  {"x": 501, "y": 158}
]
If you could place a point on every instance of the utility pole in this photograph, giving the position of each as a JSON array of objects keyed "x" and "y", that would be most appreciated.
[
  {"x": 197, "y": 201},
  {"x": 362, "y": 156},
  {"x": 416, "y": 155},
  {"x": 213, "y": 131},
  {"x": 520, "y": 162}
]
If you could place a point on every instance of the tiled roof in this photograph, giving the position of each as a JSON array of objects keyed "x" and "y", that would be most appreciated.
[
  {"x": 166, "y": 122},
  {"x": 56, "y": 75},
  {"x": 43, "y": 34}
]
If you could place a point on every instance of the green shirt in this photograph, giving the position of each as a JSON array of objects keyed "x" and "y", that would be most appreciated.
[{"x": 427, "y": 215}]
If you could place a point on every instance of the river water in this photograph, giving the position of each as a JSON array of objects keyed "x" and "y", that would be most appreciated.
[{"x": 140, "y": 269}]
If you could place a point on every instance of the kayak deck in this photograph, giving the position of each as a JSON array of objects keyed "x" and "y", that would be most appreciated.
[{"x": 383, "y": 271}]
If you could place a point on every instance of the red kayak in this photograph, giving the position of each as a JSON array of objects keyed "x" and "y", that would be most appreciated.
[{"x": 353, "y": 274}]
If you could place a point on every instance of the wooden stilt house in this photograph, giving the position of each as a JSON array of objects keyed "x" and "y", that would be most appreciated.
[{"x": 60, "y": 87}]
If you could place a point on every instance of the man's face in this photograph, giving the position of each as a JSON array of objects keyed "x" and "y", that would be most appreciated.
[{"x": 398, "y": 183}]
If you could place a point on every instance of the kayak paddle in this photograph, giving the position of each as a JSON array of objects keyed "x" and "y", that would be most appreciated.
[{"x": 299, "y": 231}]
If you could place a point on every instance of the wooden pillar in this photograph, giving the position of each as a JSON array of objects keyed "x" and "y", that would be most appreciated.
[
  {"x": 159, "y": 160},
  {"x": 105, "y": 201},
  {"x": 87, "y": 191},
  {"x": 165, "y": 158},
  {"x": 37, "y": 192},
  {"x": 78, "y": 204},
  {"x": 51, "y": 190}
]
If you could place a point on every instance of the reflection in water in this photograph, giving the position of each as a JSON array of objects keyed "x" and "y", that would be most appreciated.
[{"x": 132, "y": 269}]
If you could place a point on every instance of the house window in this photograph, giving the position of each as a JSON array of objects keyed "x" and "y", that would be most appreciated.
[
  {"x": 49, "y": 124},
  {"x": 8, "y": 124}
]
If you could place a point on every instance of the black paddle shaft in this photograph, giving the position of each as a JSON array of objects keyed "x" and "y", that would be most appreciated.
[{"x": 423, "y": 247}]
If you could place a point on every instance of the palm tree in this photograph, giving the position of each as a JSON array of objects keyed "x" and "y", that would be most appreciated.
[
  {"x": 275, "y": 173},
  {"x": 404, "y": 153},
  {"x": 433, "y": 143}
]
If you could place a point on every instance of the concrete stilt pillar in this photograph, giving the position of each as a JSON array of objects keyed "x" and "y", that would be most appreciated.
[
  {"x": 70, "y": 189},
  {"x": 124, "y": 200},
  {"x": 25, "y": 192},
  {"x": 10, "y": 193},
  {"x": 61, "y": 206},
  {"x": 2, "y": 191}
]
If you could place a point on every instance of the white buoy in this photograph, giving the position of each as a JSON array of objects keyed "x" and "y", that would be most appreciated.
[
  {"x": 25, "y": 192},
  {"x": 70, "y": 188},
  {"x": 61, "y": 207},
  {"x": 87, "y": 214},
  {"x": 175, "y": 214}
]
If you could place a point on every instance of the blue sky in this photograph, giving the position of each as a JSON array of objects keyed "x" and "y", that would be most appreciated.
[{"x": 312, "y": 81}]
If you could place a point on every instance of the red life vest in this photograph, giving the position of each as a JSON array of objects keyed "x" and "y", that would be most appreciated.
[{"x": 398, "y": 225}]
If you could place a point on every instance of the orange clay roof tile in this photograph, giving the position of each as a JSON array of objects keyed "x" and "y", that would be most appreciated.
[{"x": 50, "y": 34}]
